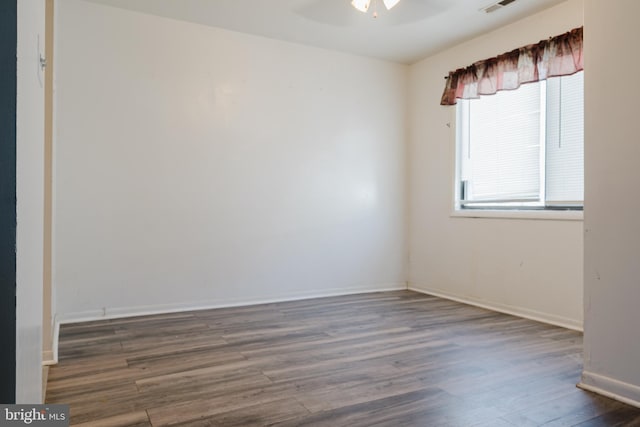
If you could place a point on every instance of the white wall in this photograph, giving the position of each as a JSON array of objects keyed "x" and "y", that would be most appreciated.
[
  {"x": 612, "y": 230},
  {"x": 197, "y": 167},
  {"x": 30, "y": 199},
  {"x": 527, "y": 267}
]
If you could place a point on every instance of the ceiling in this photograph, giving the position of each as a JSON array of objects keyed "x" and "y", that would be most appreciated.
[{"x": 414, "y": 29}]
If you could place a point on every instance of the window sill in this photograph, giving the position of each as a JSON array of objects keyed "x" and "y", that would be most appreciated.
[{"x": 519, "y": 214}]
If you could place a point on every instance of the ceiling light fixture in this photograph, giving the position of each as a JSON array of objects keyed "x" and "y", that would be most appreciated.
[{"x": 363, "y": 5}]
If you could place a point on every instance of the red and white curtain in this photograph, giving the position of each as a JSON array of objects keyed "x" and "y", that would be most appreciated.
[{"x": 558, "y": 56}]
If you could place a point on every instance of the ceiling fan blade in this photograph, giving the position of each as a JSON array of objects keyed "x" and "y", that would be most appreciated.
[
  {"x": 390, "y": 3},
  {"x": 362, "y": 5}
]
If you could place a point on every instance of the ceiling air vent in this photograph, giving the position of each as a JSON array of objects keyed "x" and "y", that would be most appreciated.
[{"x": 496, "y": 6}]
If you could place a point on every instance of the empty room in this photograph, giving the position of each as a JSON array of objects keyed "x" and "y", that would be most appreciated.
[{"x": 319, "y": 212}]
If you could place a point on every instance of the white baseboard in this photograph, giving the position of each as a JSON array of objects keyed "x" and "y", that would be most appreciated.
[
  {"x": 50, "y": 357},
  {"x": 504, "y": 308},
  {"x": 609, "y": 387},
  {"x": 120, "y": 312}
]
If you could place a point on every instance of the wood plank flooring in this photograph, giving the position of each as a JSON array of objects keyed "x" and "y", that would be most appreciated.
[{"x": 381, "y": 359}]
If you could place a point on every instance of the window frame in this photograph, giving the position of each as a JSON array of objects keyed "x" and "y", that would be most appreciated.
[{"x": 540, "y": 212}]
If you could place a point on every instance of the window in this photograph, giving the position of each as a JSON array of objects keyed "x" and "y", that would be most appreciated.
[{"x": 523, "y": 148}]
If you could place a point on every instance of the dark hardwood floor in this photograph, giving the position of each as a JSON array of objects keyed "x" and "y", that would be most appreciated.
[{"x": 382, "y": 359}]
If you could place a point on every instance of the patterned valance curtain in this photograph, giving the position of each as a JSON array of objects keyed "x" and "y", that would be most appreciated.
[{"x": 557, "y": 56}]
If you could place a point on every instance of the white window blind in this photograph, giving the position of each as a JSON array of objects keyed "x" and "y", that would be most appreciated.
[
  {"x": 565, "y": 139},
  {"x": 524, "y": 146},
  {"x": 505, "y": 160}
]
